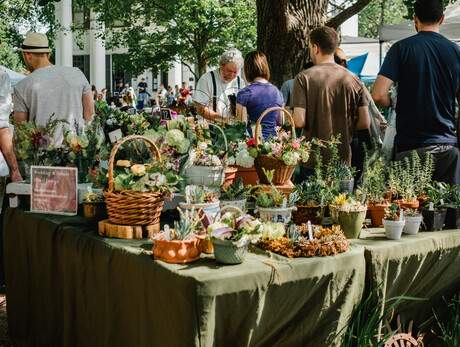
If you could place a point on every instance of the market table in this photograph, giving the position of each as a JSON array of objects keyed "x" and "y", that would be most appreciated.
[
  {"x": 425, "y": 265},
  {"x": 68, "y": 286}
]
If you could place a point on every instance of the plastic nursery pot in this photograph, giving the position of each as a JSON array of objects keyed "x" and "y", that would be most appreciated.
[
  {"x": 393, "y": 228},
  {"x": 376, "y": 213},
  {"x": 210, "y": 208},
  {"x": 412, "y": 225},
  {"x": 351, "y": 223},
  {"x": 177, "y": 251},
  {"x": 278, "y": 215},
  {"x": 227, "y": 252},
  {"x": 452, "y": 218},
  {"x": 433, "y": 220},
  {"x": 94, "y": 211},
  {"x": 407, "y": 204},
  {"x": 314, "y": 214},
  {"x": 249, "y": 175},
  {"x": 346, "y": 186},
  {"x": 241, "y": 204}
]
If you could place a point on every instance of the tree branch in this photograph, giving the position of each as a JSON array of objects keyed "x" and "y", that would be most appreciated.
[
  {"x": 346, "y": 14},
  {"x": 190, "y": 69}
]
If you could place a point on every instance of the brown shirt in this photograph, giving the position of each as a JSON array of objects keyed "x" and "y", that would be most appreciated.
[{"x": 331, "y": 96}]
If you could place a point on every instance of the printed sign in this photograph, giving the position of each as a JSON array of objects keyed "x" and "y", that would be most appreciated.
[
  {"x": 165, "y": 114},
  {"x": 54, "y": 190},
  {"x": 115, "y": 135}
]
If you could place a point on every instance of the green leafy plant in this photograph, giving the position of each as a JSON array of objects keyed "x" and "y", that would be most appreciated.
[
  {"x": 200, "y": 194},
  {"x": 412, "y": 212},
  {"x": 274, "y": 198},
  {"x": 392, "y": 213},
  {"x": 422, "y": 173},
  {"x": 401, "y": 181},
  {"x": 450, "y": 330},
  {"x": 374, "y": 183},
  {"x": 309, "y": 193},
  {"x": 437, "y": 193},
  {"x": 453, "y": 196},
  {"x": 293, "y": 234},
  {"x": 343, "y": 172},
  {"x": 235, "y": 191},
  {"x": 187, "y": 225}
]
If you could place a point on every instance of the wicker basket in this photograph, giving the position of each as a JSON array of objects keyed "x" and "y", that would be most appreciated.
[
  {"x": 130, "y": 207},
  {"x": 283, "y": 172}
]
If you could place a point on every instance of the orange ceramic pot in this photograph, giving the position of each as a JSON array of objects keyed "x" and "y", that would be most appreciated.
[
  {"x": 376, "y": 213},
  {"x": 206, "y": 244},
  {"x": 249, "y": 176},
  {"x": 406, "y": 204},
  {"x": 177, "y": 251},
  {"x": 229, "y": 176}
]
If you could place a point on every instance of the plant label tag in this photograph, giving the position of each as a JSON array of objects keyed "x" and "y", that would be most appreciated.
[
  {"x": 401, "y": 214},
  {"x": 441, "y": 201},
  {"x": 167, "y": 232},
  {"x": 310, "y": 233},
  {"x": 187, "y": 194},
  {"x": 431, "y": 208},
  {"x": 322, "y": 201},
  {"x": 90, "y": 190},
  {"x": 284, "y": 203},
  {"x": 115, "y": 135}
]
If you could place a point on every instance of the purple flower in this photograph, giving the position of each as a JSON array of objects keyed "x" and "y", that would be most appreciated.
[{"x": 45, "y": 141}]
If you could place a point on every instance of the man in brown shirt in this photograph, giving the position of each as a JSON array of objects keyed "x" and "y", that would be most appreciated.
[{"x": 328, "y": 99}]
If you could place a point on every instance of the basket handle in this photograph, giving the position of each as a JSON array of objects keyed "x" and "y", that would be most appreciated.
[
  {"x": 117, "y": 145},
  {"x": 227, "y": 208},
  {"x": 256, "y": 131},
  {"x": 220, "y": 129}
]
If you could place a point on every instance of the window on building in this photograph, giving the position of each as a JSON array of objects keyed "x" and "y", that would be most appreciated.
[
  {"x": 82, "y": 62},
  {"x": 81, "y": 15}
]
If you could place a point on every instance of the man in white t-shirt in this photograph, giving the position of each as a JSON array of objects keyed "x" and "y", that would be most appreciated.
[
  {"x": 6, "y": 143},
  {"x": 216, "y": 91},
  {"x": 160, "y": 97},
  {"x": 50, "y": 89}
]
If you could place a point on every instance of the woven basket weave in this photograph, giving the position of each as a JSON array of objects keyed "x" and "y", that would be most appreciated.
[
  {"x": 283, "y": 172},
  {"x": 130, "y": 207}
]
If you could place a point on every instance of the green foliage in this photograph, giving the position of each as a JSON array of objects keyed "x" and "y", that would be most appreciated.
[
  {"x": 185, "y": 228},
  {"x": 453, "y": 198},
  {"x": 392, "y": 213},
  {"x": 293, "y": 234},
  {"x": 190, "y": 31},
  {"x": 310, "y": 192},
  {"x": 343, "y": 172},
  {"x": 450, "y": 330},
  {"x": 374, "y": 177},
  {"x": 383, "y": 12},
  {"x": 422, "y": 173},
  {"x": 437, "y": 194},
  {"x": 236, "y": 191},
  {"x": 410, "y": 7}
]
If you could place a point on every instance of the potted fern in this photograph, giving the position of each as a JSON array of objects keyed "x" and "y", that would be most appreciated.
[
  {"x": 310, "y": 206},
  {"x": 413, "y": 219},
  {"x": 235, "y": 194},
  {"x": 393, "y": 222},
  {"x": 180, "y": 244},
  {"x": 273, "y": 205},
  {"x": 453, "y": 207},
  {"x": 434, "y": 212}
]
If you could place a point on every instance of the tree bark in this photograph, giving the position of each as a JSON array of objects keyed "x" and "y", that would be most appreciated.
[{"x": 283, "y": 27}]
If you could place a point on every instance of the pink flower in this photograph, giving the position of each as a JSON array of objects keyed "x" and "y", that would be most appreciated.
[
  {"x": 295, "y": 145},
  {"x": 251, "y": 142}
]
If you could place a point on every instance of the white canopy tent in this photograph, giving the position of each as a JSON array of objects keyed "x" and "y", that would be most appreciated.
[{"x": 450, "y": 28}]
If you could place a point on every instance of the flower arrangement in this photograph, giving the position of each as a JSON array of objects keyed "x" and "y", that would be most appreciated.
[
  {"x": 242, "y": 229},
  {"x": 91, "y": 196},
  {"x": 203, "y": 154},
  {"x": 284, "y": 146}
]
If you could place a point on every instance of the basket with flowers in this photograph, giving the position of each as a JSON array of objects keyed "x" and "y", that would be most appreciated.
[{"x": 281, "y": 153}]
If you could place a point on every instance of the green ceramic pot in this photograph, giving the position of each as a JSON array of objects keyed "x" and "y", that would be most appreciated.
[{"x": 351, "y": 223}]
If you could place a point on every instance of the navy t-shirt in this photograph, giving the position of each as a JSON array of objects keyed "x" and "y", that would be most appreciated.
[
  {"x": 257, "y": 97},
  {"x": 426, "y": 67}
]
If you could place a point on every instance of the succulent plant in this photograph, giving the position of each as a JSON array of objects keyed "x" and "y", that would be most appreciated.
[{"x": 236, "y": 191}]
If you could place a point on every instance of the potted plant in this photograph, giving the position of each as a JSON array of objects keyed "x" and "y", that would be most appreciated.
[
  {"x": 94, "y": 208},
  {"x": 310, "y": 206},
  {"x": 350, "y": 214},
  {"x": 392, "y": 222},
  {"x": 231, "y": 234},
  {"x": 235, "y": 194},
  {"x": 434, "y": 211},
  {"x": 422, "y": 174},
  {"x": 180, "y": 244},
  {"x": 375, "y": 187},
  {"x": 402, "y": 182},
  {"x": 453, "y": 207},
  {"x": 413, "y": 220},
  {"x": 345, "y": 177},
  {"x": 201, "y": 197},
  {"x": 273, "y": 205}
]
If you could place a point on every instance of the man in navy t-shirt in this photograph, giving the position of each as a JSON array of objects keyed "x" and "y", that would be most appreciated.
[{"x": 426, "y": 67}]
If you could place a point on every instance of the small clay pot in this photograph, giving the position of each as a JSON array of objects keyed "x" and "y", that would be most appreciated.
[
  {"x": 376, "y": 212},
  {"x": 229, "y": 176},
  {"x": 407, "y": 204},
  {"x": 94, "y": 211},
  {"x": 177, "y": 251}
]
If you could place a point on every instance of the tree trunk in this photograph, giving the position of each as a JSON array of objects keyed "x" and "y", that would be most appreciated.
[
  {"x": 202, "y": 64},
  {"x": 283, "y": 27}
]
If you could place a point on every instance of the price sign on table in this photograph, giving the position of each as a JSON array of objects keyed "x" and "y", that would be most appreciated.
[{"x": 54, "y": 190}]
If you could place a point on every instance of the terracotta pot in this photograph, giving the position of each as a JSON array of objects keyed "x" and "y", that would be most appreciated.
[
  {"x": 314, "y": 214},
  {"x": 376, "y": 213},
  {"x": 406, "y": 204},
  {"x": 206, "y": 244},
  {"x": 94, "y": 211},
  {"x": 177, "y": 251},
  {"x": 229, "y": 176},
  {"x": 249, "y": 175},
  {"x": 422, "y": 199}
]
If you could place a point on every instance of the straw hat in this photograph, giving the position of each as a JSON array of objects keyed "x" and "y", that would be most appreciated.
[{"x": 35, "y": 43}]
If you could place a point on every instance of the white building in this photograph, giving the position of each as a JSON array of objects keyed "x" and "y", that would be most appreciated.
[{"x": 90, "y": 55}]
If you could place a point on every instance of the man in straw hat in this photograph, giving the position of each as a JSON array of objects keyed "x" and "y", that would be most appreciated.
[{"x": 50, "y": 89}]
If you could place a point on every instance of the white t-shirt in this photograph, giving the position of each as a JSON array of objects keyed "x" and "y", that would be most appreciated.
[
  {"x": 52, "y": 89},
  {"x": 204, "y": 89},
  {"x": 5, "y": 110}
]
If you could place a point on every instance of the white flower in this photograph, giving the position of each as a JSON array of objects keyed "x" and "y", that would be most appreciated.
[
  {"x": 202, "y": 145},
  {"x": 215, "y": 160},
  {"x": 305, "y": 155},
  {"x": 183, "y": 146},
  {"x": 244, "y": 159},
  {"x": 158, "y": 178},
  {"x": 242, "y": 146},
  {"x": 231, "y": 160}
]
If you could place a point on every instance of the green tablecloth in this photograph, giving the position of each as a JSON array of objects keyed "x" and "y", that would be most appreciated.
[
  {"x": 426, "y": 265},
  {"x": 67, "y": 286}
]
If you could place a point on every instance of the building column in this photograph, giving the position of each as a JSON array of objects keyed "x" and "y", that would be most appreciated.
[
  {"x": 64, "y": 40},
  {"x": 97, "y": 55},
  {"x": 175, "y": 75}
]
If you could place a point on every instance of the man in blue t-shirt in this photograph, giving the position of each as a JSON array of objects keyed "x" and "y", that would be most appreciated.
[{"x": 426, "y": 67}]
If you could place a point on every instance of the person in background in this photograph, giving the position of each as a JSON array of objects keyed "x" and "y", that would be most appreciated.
[
  {"x": 328, "y": 99},
  {"x": 94, "y": 91},
  {"x": 104, "y": 94},
  {"x": 50, "y": 89},
  {"x": 286, "y": 88},
  {"x": 112, "y": 105},
  {"x": 170, "y": 101},
  {"x": 160, "y": 97},
  {"x": 259, "y": 95},
  {"x": 426, "y": 68},
  {"x": 176, "y": 92},
  {"x": 142, "y": 88},
  {"x": 216, "y": 90},
  {"x": 184, "y": 95}
]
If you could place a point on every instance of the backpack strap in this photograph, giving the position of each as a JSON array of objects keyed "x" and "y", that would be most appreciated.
[
  {"x": 214, "y": 92},
  {"x": 238, "y": 81}
]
